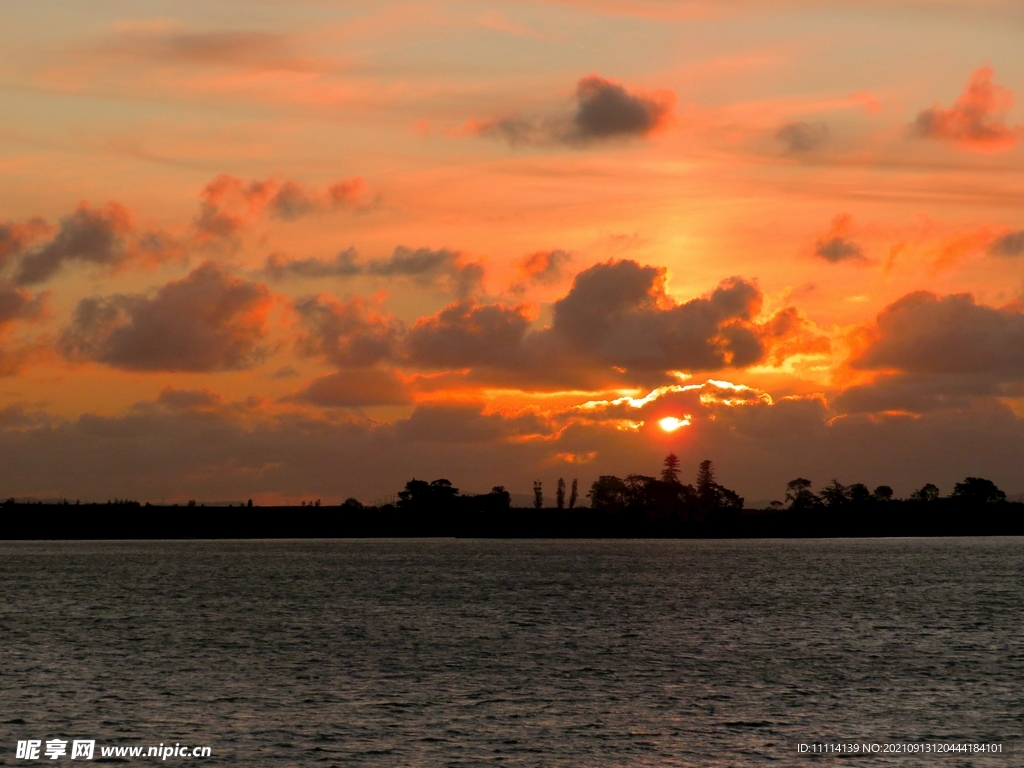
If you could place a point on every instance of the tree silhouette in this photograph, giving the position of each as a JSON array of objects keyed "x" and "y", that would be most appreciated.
[
  {"x": 538, "y": 495},
  {"x": 670, "y": 472},
  {"x": 709, "y": 494},
  {"x": 978, "y": 490},
  {"x": 834, "y": 494},
  {"x": 927, "y": 492},
  {"x": 858, "y": 493},
  {"x": 503, "y": 496},
  {"x": 799, "y": 494},
  {"x": 560, "y": 494},
  {"x": 574, "y": 493},
  {"x": 637, "y": 491},
  {"x": 882, "y": 493},
  {"x": 706, "y": 485},
  {"x": 607, "y": 493},
  {"x": 420, "y": 494}
]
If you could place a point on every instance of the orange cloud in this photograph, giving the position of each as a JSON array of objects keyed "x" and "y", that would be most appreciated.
[
  {"x": 976, "y": 121},
  {"x": 541, "y": 267},
  {"x": 229, "y": 203}
]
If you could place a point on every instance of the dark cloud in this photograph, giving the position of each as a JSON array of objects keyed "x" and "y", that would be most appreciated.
[
  {"x": 922, "y": 333},
  {"x": 837, "y": 249},
  {"x": 16, "y": 236},
  {"x": 468, "y": 334},
  {"x": 94, "y": 236},
  {"x": 186, "y": 445},
  {"x": 346, "y": 334},
  {"x": 189, "y": 399},
  {"x": 1010, "y": 244},
  {"x": 342, "y": 265},
  {"x": 937, "y": 353},
  {"x": 800, "y": 137},
  {"x": 976, "y": 121},
  {"x": 604, "y": 110},
  {"x": 616, "y": 317},
  {"x": 836, "y": 246},
  {"x": 618, "y": 313},
  {"x": 465, "y": 423},
  {"x": 354, "y": 388},
  {"x": 429, "y": 268},
  {"x": 916, "y": 393},
  {"x": 425, "y": 267},
  {"x": 607, "y": 110},
  {"x": 207, "y": 321},
  {"x": 17, "y": 304}
]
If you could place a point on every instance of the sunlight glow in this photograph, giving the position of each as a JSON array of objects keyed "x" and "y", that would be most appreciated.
[{"x": 671, "y": 423}]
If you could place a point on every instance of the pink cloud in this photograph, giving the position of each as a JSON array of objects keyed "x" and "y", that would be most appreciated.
[
  {"x": 976, "y": 121},
  {"x": 230, "y": 203}
]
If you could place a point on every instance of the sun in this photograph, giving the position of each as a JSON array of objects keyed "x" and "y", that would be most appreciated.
[{"x": 671, "y": 423}]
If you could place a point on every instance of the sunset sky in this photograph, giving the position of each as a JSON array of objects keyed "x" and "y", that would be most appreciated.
[{"x": 312, "y": 249}]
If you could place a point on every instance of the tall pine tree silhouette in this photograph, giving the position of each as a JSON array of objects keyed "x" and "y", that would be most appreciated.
[{"x": 670, "y": 473}]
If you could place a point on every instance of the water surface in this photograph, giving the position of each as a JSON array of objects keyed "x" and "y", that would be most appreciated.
[{"x": 533, "y": 653}]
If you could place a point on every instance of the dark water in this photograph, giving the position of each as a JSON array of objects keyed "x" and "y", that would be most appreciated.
[{"x": 436, "y": 653}]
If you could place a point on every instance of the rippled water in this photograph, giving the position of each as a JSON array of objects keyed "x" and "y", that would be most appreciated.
[{"x": 560, "y": 653}]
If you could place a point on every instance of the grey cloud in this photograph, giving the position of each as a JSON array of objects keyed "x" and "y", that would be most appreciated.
[
  {"x": 446, "y": 424},
  {"x": 1010, "y": 244},
  {"x": 354, "y": 388},
  {"x": 216, "y": 452},
  {"x": 839, "y": 248},
  {"x": 608, "y": 110},
  {"x": 617, "y": 313},
  {"x": 916, "y": 393},
  {"x": 428, "y": 267},
  {"x": 425, "y": 267},
  {"x": 15, "y": 237},
  {"x": 342, "y": 265},
  {"x": 346, "y": 334},
  {"x": 467, "y": 334},
  {"x": 616, "y": 316},
  {"x": 938, "y": 353},
  {"x": 87, "y": 235},
  {"x": 207, "y": 321},
  {"x": 17, "y": 304},
  {"x": 189, "y": 399},
  {"x": 922, "y": 333},
  {"x": 604, "y": 110},
  {"x": 800, "y": 137},
  {"x": 292, "y": 201}
]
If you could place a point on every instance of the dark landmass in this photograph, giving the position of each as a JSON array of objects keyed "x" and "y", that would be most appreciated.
[
  {"x": 637, "y": 506},
  {"x": 941, "y": 517}
]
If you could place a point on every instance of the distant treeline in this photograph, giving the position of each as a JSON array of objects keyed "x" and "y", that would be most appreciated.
[{"x": 634, "y": 506}]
